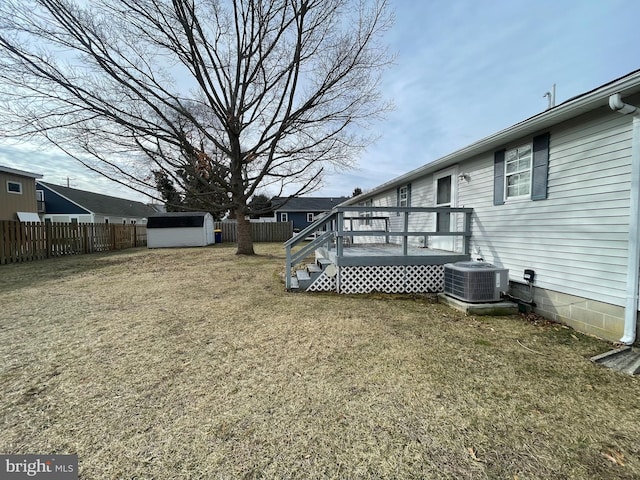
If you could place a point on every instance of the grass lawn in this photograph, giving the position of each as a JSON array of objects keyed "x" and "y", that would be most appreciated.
[{"x": 196, "y": 364}]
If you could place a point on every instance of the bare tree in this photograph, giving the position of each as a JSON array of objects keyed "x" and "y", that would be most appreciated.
[{"x": 271, "y": 91}]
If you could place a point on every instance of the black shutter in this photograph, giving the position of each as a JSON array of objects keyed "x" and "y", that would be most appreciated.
[
  {"x": 498, "y": 177},
  {"x": 408, "y": 195},
  {"x": 540, "y": 171}
]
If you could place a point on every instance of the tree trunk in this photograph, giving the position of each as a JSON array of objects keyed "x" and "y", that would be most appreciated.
[{"x": 245, "y": 239}]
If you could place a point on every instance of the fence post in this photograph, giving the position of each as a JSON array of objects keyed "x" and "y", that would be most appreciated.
[{"x": 3, "y": 227}]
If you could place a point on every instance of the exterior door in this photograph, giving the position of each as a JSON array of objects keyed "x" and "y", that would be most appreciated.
[{"x": 444, "y": 187}]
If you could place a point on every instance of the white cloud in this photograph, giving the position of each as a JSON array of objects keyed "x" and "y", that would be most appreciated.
[{"x": 465, "y": 70}]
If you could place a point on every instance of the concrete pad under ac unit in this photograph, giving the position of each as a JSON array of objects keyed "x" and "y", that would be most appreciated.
[{"x": 491, "y": 308}]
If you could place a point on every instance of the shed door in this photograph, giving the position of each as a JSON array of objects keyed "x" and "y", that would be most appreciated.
[{"x": 444, "y": 193}]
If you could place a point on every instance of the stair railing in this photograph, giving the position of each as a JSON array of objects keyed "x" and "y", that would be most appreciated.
[{"x": 321, "y": 238}]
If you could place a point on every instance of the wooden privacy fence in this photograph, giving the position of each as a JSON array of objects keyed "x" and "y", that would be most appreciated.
[
  {"x": 24, "y": 242},
  {"x": 261, "y": 231}
]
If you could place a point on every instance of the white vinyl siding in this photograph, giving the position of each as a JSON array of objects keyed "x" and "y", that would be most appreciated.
[{"x": 576, "y": 240}]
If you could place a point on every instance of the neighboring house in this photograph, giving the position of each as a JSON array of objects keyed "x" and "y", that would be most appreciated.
[
  {"x": 64, "y": 204},
  {"x": 558, "y": 193},
  {"x": 17, "y": 193},
  {"x": 303, "y": 211}
]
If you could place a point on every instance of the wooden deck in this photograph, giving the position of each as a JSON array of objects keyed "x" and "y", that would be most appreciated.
[{"x": 391, "y": 254}]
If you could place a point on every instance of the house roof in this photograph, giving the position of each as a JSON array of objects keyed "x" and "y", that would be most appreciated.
[
  {"x": 101, "y": 204},
  {"x": 306, "y": 204},
  {"x": 598, "y": 97},
  {"x": 22, "y": 173}
]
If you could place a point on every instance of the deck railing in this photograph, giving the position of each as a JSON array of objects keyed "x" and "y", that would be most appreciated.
[{"x": 405, "y": 226}]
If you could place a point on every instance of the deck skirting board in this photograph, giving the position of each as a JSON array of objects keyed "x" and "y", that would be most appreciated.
[{"x": 383, "y": 279}]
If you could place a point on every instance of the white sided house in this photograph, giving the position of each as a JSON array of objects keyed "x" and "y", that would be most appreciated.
[
  {"x": 180, "y": 229},
  {"x": 557, "y": 195}
]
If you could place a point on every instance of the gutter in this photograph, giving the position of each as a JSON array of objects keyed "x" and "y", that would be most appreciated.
[{"x": 633, "y": 267}]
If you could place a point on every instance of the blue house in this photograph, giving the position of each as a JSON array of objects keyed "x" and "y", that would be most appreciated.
[
  {"x": 68, "y": 205},
  {"x": 303, "y": 211}
]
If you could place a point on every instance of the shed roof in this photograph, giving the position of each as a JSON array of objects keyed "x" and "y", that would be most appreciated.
[
  {"x": 177, "y": 220},
  {"x": 305, "y": 204},
  {"x": 102, "y": 204}
]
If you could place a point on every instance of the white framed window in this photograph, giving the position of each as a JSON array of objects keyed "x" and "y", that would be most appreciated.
[
  {"x": 310, "y": 217},
  {"x": 403, "y": 196},
  {"x": 366, "y": 215},
  {"x": 517, "y": 178},
  {"x": 284, "y": 217},
  {"x": 14, "y": 187},
  {"x": 40, "y": 195}
]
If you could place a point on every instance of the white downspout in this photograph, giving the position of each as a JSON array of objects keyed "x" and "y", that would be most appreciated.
[{"x": 633, "y": 268}]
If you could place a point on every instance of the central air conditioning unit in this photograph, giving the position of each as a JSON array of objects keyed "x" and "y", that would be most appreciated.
[{"x": 475, "y": 282}]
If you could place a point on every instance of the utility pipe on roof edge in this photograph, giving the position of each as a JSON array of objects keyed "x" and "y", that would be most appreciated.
[{"x": 633, "y": 268}]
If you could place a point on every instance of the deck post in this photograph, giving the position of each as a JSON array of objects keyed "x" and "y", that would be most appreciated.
[
  {"x": 287, "y": 270},
  {"x": 386, "y": 229},
  {"x": 405, "y": 238},
  {"x": 340, "y": 230},
  {"x": 467, "y": 231}
]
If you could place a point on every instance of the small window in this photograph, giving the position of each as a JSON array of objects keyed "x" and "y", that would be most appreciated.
[
  {"x": 14, "y": 187},
  {"x": 106, "y": 220},
  {"x": 403, "y": 196},
  {"x": 518, "y": 172},
  {"x": 310, "y": 217},
  {"x": 284, "y": 217},
  {"x": 366, "y": 215},
  {"x": 40, "y": 195}
]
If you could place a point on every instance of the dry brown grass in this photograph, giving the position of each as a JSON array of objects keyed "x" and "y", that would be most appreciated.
[{"x": 195, "y": 363}]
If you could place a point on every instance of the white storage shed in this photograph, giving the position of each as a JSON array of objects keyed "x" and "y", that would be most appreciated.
[{"x": 180, "y": 229}]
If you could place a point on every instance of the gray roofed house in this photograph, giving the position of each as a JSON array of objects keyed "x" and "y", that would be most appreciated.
[
  {"x": 302, "y": 211},
  {"x": 64, "y": 204}
]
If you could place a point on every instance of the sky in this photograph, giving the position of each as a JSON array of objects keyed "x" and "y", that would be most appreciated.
[{"x": 464, "y": 69}]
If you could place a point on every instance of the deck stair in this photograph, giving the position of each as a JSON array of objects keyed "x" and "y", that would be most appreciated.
[{"x": 304, "y": 277}]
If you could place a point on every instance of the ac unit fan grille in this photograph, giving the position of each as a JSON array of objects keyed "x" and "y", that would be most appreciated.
[{"x": 475, "y": 282}]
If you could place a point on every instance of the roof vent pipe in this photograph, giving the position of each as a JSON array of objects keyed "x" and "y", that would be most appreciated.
[{"x": 633, "y": 266}]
